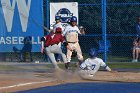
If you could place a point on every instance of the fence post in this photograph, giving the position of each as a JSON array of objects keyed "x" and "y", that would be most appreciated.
[
  {"x": 104, "y": 28},
  {"x": 48, "y": 14},
  {"x": 47, "y": 23}
]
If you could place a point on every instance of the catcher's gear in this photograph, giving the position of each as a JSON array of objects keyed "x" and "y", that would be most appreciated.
[
  {"x": 92, "y": 52},
  {"x": 73, "y": 19},
  {"x": 74, "y": 53},
  {"x": 58, "y": 30}
]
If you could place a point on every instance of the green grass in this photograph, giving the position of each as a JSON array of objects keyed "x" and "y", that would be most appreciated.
[
  {"x": 4, "y": 67},
  {"x": 22, "y": 68},
  {"x": 115, "y": 65},
  {"x": 46, "y": 66},
  {"x": 123, "y": 65}
]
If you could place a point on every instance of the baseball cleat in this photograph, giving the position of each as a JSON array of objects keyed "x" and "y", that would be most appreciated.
[{"x": 67, "y": 65}]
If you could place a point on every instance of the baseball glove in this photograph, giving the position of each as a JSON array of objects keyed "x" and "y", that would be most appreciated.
[{"x": 74, "y": 53}]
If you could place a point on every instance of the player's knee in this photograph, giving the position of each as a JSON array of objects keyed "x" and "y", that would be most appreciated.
[{"x": 80, "y": 58}]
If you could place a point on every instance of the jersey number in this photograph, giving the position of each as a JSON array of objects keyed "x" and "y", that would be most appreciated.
[{"x": 93, "y": 66}]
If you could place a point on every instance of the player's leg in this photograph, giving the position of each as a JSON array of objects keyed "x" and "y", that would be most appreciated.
[
  {"x": 59, "y": 51},
  {"x": 65, "y": 60},
  {"x": 79, "y": 53},
  {"x": 86, "y": 74},
  {"x": 134, "y": 54},
  {"x": 69, "y": 53},
  {"x": 21, "y": 56},
  {"x": 58, "y": 58},
  {"x": 137, "y": 54},
  {"x": 51, "y": 57}
]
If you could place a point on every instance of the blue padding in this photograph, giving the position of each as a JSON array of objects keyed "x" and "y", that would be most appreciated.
[{"x": 108, "y": 87}]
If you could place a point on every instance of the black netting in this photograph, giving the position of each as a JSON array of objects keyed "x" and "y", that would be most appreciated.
[{"x": 121, "y": 17}]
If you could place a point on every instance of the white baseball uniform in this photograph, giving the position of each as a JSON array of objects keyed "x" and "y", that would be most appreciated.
[
  {"x": 71, "y": 36},
  {"x": 57, "y": 25},
  {"x": 91, "y": 65}
]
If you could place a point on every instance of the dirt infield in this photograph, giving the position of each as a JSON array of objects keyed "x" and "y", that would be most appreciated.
[{"x": 18, "y": 80}]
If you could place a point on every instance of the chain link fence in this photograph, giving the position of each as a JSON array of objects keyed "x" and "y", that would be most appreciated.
[{"x": 121, "y": 17}]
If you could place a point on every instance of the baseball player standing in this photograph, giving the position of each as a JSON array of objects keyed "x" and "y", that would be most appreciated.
[
  {"x": 71, "y": 35},
  {"x": 136, "y": 42},
  {"x": 91, "y": 65},
  {"x": 136, "y": 49},
  {"x": 56, "y": 25},
  {"x": 52, "y": 46}
]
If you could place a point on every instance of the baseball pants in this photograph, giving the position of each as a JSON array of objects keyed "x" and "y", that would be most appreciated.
[
  {"x": 51, "y": 50},
  {"x": 76, "y": 47}
]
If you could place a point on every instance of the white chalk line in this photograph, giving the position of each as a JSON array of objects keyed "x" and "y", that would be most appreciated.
[{"x": 25, "y": 84}]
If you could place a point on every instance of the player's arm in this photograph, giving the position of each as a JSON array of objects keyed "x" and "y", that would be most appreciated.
[
  {"x": 83, "y": 66},
  {"x": 42, "y": 44},
  {"x": 103, "y": 64},
  {"x": 79, "y": 32},
  {"x": 64, "y": 31},
  {"x": 46, "y": 29},
  {"x": 49, "y": 30},
  {"x": 65, "y": 43},
  {"x": 107, "y": 68},
  {"x": 82, "y": 30}
]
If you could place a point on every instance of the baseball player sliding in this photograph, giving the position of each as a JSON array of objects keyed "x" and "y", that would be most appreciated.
[
  {"x": 91, "y": 65},
  {"x": 71, "y": 35},
  {"x": 52, "y": 46}
]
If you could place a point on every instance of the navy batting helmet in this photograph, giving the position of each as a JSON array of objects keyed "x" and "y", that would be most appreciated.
[
  {"x": 57, "y": 17},
  {"x": 73, "y": 19},
  {"x": 92, "y": 52}
]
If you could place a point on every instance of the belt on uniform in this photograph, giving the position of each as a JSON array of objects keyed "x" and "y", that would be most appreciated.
[
  {"x": 71, "y": 42},
  {"x": 51, "y": 45}
]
